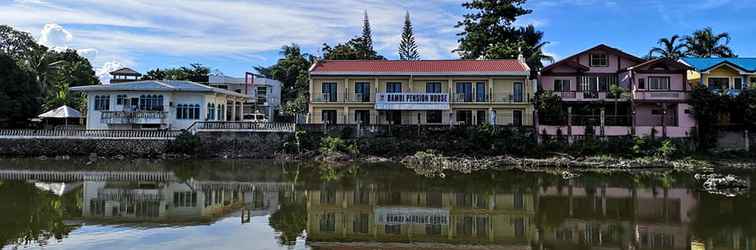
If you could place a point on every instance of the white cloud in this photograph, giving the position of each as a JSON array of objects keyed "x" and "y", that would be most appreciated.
[
  {"x": 230, "y": 28},
  {"x": 103, "y": 72},
  {"x": 55, "y": 37}
]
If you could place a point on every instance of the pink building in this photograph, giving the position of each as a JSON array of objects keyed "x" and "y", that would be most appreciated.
[{"x": 652, "y": 101}]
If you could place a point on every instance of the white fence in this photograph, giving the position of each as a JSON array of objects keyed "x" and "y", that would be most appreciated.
[
  {"x": 89, "y": 134},
  {"x": 228, "y": 126}
]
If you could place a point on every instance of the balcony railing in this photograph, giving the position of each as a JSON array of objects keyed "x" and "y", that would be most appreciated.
[
  {"x": 134, "y": 117},
  {"x": 660, "y": 95},
  {"x": 412, "y": 101},
  {"x": 510, "y": 97}
]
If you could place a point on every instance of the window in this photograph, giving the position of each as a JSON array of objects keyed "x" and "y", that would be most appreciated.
[
  {"x": 658, "y": 83},
  {"x": 464, "y": 117},
  {"x": 599, "y": 60},
  {"x": 480, "y": 92},
  {"x": 329, "y": 116},
  {"x": 102, "y": 102},
  {"x": 329, "y": 92},
  {"x": 188, "y": 112},
  {"x": 362, "y": 91},
  {"x": 362, "y": 116},
  {"x": 328, "y": 222},
  {"x": 262, "y": 94},
  {"x": 211, "y": 111},
  {"x": 433, "y": 87},
  {"x": 641, "y": 83},
  {"x": 719, "y": 83},
  {"x": 151, "y": 102},
  {"x": 738, "y": 83},
  {"x": 561, "y": 85},
  {"x": 120, "y": 99},
  {"x": 433, "y": 116},
  {"x": 518, "y": 90},
  {"x": 481, "y": 117},
  {"x": 599, "y": 83},
  {"x": 393, "y": 87},
  {"x": 361, "y": 223},
  {"x": 464, "y": 92},
  {"x": 517, "y": 117}
]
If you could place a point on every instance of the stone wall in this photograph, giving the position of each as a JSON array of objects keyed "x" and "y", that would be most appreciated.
[
  {"x": 81, "y": 147},
  {"x": 241, "y": 145},
  {"x": 212, "y": 145}
]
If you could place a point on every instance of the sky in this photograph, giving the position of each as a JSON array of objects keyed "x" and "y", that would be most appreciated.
[{"x": 233, "y": 36}]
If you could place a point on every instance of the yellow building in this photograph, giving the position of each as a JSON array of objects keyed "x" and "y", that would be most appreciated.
[
  {"x": 722, "y": 74},
  {"x": 450, "y": 92}
]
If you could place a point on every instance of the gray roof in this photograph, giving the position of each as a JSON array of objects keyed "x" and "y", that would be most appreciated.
[
  {"x": 156, "y": 85},
  {"x": 125, "y": 71}
]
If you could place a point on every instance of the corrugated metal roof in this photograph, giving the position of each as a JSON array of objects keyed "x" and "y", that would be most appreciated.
[
  {"x": 156, "y": 85},
  {"x": 704, "y": 64},
  {"x": 430, "y": 67}
]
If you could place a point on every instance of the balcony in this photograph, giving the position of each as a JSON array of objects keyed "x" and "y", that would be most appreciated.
[
  {"x": 660, "y": 95},
  {"x": 134, "y": 117},
  {"x": 412, "y": 101},
  {"x": 577, "y": 96}
]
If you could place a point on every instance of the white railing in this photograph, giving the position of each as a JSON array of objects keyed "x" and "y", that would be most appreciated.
[
  {"x": 237, "y": 126},
  {"x": 133, "y": 117},
  {"x": 412, "y": 101},
  {"x": 660, "y": 95},
  {"x": 413, "y": 97},
  {"x": 89, "y": 134}
]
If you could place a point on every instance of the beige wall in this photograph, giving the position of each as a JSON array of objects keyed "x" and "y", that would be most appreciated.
[{"x": 498, "y": 90}]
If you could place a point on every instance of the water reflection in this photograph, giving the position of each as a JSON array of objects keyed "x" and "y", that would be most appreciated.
[{"x": 298, "y": 207}]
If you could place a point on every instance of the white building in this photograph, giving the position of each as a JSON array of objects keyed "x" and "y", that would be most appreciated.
[
  {"x": 264, "y": 93},
  {"x": 163, "y": 104}
]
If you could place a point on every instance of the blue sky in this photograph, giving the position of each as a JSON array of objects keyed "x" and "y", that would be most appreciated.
[{"x": 233, "y": 36}]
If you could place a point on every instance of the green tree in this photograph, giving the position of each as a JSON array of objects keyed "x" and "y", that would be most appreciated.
[
  {"x": 531, "y": 44},
  {"x": 617, "y": 92},
  {"x": 292, "y": 71},
  {"x": 17, "y": 44},
  {"x": 671, "y": 48},
  {"x": 704, "y": 43},
  {"x": 20, "y": 96},
  {"x": 408, "y": 47},
  {"x": 489, "y": 31},
  {"x": 155, "y": 74},
  {"x": 358, "y": 48}
]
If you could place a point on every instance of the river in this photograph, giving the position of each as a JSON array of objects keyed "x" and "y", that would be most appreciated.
[{"x": 71, "y": 204}]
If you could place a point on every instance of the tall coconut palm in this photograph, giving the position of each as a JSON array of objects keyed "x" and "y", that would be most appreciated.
[
  {"x": 704, "y": 43},
  {"x": 671, "y": 48},
  {"x": 532, "y": 48}
]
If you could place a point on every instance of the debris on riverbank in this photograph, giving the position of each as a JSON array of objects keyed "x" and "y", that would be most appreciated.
[
  {"x": 726, "y": 185},
  {"x": 431, "y": 164}
]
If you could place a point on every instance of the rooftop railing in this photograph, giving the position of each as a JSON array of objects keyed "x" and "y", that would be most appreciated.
[{"x": 89, "y": 134}]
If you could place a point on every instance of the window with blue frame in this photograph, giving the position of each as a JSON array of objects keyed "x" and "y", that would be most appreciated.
[
  {"x": 393, "y": 87},
  {"x": 464, "y": 92},
  {"x": 329, "y": 90},
  {"x": 480, "y": 92},
  {"x": 362, "y": 91},
  {"x": 433, "y": 87}
]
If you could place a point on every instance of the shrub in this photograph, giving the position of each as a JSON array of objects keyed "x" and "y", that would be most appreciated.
[{"x": 185, "y": 143}]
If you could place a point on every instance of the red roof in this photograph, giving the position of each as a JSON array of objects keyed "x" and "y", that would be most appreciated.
[{"x": 419, "y": 67}]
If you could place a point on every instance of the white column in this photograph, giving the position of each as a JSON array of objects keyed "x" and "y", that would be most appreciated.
[{"x": 233, "y": 111}]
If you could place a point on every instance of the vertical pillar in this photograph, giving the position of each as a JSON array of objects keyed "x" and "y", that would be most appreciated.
[
  {"x": 664, "y": 120},
  {"x": 347, "y": 96},
  {"x": 747, "y": 141},
  {"x": 603, "y": 122},
  {"x": 233, "y": 111},
  {"x": 569, "y": 125},
  {"x": 241, "y": 111}
]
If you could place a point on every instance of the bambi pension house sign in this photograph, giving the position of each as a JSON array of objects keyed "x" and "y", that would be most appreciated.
[{"x": 421, "y": 216}]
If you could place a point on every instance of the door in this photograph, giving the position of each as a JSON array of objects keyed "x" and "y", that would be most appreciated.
[
  {"x": 134, "y": 104},
  {"x": 464, "y": 92},
  {"x": 329, "y": 92},
  {"x": 394, "y": 117},
  {"x": 518, "y": 92},
  {"x": 329, "y": 117},
  {"x": 480, "y": 117},
  {"x": 517, "y": 117}
]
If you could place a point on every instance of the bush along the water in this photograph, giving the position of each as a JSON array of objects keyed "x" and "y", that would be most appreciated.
[{"x": 185, "y": 143}]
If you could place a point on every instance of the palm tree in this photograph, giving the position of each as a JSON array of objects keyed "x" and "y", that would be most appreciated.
[
  {"x": 704, "y": 43},
  {"x": 671, "y": 48},
  {"x": 532, "y": 48},
  {"x": 617, "y": 92}
]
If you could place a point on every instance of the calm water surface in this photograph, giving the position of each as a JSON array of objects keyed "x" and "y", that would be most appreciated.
[{"x": 267, "y": 205}]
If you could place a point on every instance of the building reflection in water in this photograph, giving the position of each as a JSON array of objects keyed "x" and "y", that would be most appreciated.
[{"x": 515, "y": 212}]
